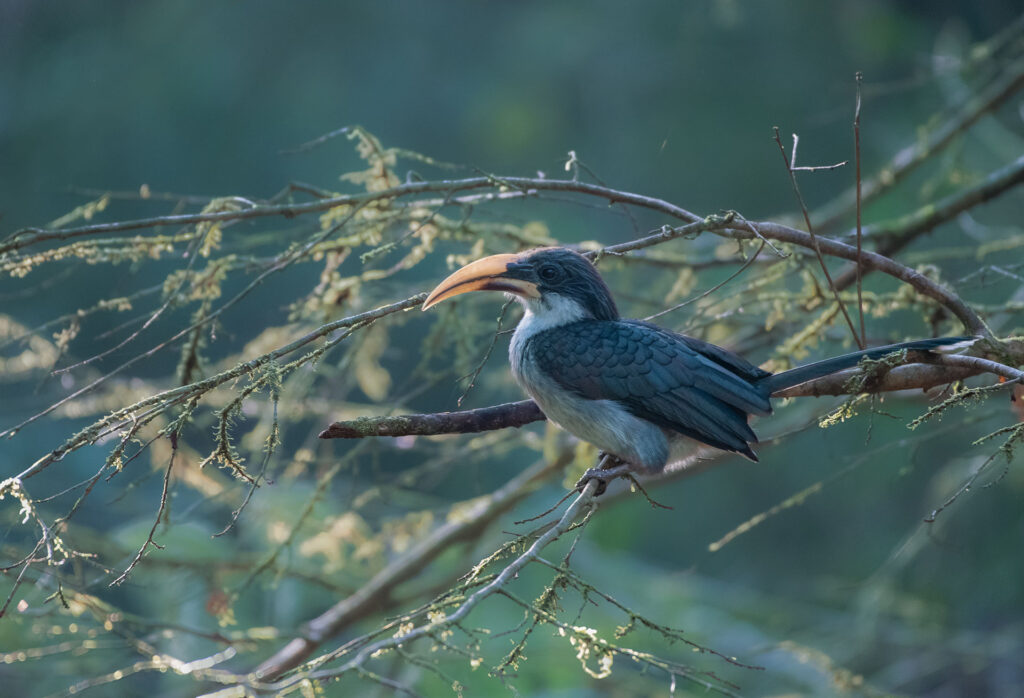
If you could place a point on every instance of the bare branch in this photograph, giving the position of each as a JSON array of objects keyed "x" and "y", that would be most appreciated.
[
  {"x": 910, "y": 157},
  {"x": 156, "y": 520},
  {"x": 510, "y": 414},
  {"x": 856, "y": 150},
  {"x": 790, "y": 162},
  {"x": 705, "y": 294}
]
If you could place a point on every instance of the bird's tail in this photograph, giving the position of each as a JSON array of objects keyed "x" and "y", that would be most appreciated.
[{"x": 795, "y": 376}]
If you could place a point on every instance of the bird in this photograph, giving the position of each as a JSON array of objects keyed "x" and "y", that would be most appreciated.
[{"x": 633, "y": 389}]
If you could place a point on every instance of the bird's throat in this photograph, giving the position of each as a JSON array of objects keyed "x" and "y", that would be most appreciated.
[
  {"x": 539, "y": 316},
  {"x": 546, "y": 313}
]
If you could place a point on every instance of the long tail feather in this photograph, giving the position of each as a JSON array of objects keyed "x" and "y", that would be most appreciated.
[{"x": 802, "y": 374}]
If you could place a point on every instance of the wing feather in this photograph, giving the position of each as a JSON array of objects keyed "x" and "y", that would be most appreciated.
[{"x": 676, "y": 382}]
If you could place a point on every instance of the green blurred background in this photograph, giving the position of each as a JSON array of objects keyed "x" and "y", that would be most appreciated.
[{"x": 671, "y": 99}]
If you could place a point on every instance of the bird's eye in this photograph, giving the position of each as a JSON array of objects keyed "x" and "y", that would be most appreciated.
[{"x": 549, "y": 272}]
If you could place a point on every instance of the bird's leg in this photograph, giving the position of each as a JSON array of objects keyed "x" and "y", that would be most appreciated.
[{"x": 608, "y": 468}]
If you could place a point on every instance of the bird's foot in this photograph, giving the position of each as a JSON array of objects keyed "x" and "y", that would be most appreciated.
[{"x": 603, "y": 477}]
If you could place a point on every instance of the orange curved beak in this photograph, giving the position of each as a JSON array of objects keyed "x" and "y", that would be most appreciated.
[{"x": 487, "y": 274}]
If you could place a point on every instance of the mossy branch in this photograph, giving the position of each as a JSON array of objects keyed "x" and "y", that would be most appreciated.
[{"x": 908, "y": 375}]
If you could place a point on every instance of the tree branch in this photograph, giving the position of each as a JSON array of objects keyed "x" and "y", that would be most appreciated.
[
  {"x": 530, "y": 186},
  {"x": 790, "y": 162},
  {"x": 510, "y": 414},
  {"x": 977, "y": 364},
  {"x": 874, "y": 261},
  {"x": 567, "y": 520},
  {"x": 939, "y": 369},
  {"x": 527, "y": 185},
  {"x": 910, "y": 377},
  {"x": 910, "y": 157},
  {"x": 377, "y": 591},
  {"x": 180, "y": 394},
  {"x": 896, "y": 235}
]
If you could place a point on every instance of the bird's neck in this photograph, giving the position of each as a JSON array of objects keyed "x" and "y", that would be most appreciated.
[
  {"x": 547, "y": 313},
  {"x": 543, "y": 314}
]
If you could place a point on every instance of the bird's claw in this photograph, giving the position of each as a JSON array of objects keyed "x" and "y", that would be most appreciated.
[{"x": 603, "y": 477}]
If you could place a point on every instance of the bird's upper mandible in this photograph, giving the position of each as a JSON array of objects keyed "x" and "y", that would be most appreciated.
[{"x": 534, "y": 275}]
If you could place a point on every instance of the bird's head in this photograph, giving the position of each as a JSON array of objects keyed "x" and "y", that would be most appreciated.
[{"x": 546, "y": 280}]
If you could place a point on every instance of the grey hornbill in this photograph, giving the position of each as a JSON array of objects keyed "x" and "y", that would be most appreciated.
[{"x": 631, "y": 388}]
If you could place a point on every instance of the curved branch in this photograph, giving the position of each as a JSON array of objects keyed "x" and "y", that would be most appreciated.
[
  {"x": 978, "y": 365},
  {"x": 529, "y": 186},
  {"x": 31, "y": 236},
  {"x": 874, "y": 261}
]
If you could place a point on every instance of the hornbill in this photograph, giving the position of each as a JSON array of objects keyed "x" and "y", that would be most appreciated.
[{"x": 631, "y": 388}]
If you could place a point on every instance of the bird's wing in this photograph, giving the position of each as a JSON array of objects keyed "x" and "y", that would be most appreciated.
[{"x": 676, "y": 382}]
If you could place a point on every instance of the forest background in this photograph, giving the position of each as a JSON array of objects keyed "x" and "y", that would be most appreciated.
[{"x": 179, "y": 528}]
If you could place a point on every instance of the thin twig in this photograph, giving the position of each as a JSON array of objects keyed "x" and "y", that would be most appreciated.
[
  {"x": 25, "y": 563},
  {"x": 156, "y": 520},
  {"x": 920, "y": 151},
  {"x": 487, "y": 354},
  {"x": 810, "y": 231},
  {"x": 367, "y": 599},
  {"x": 568, "y": 519},
  {"x": 856, "y": 150},
  {"x": 547, "y": 511},
  {"x": 576, "y": 164},
  {"x": 309, "y": 145},
  {"x": 896, "y": 234},
  {"x": 650, "y": 500},
  {"x": 819, "y": 168},
  {"x": 171, "y": 297},
  {"x": 705, "y": 294}
]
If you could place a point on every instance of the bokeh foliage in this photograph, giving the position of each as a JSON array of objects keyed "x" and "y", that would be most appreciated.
[{"x": 814, "y": 565}]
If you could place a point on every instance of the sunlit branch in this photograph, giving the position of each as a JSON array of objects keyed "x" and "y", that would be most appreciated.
[
  {"x": 772, "y": 231},
  {"x": 203, "y": 386},
  {"x": 583, "y": 501},
  {"x": 369, "y": 598}
]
